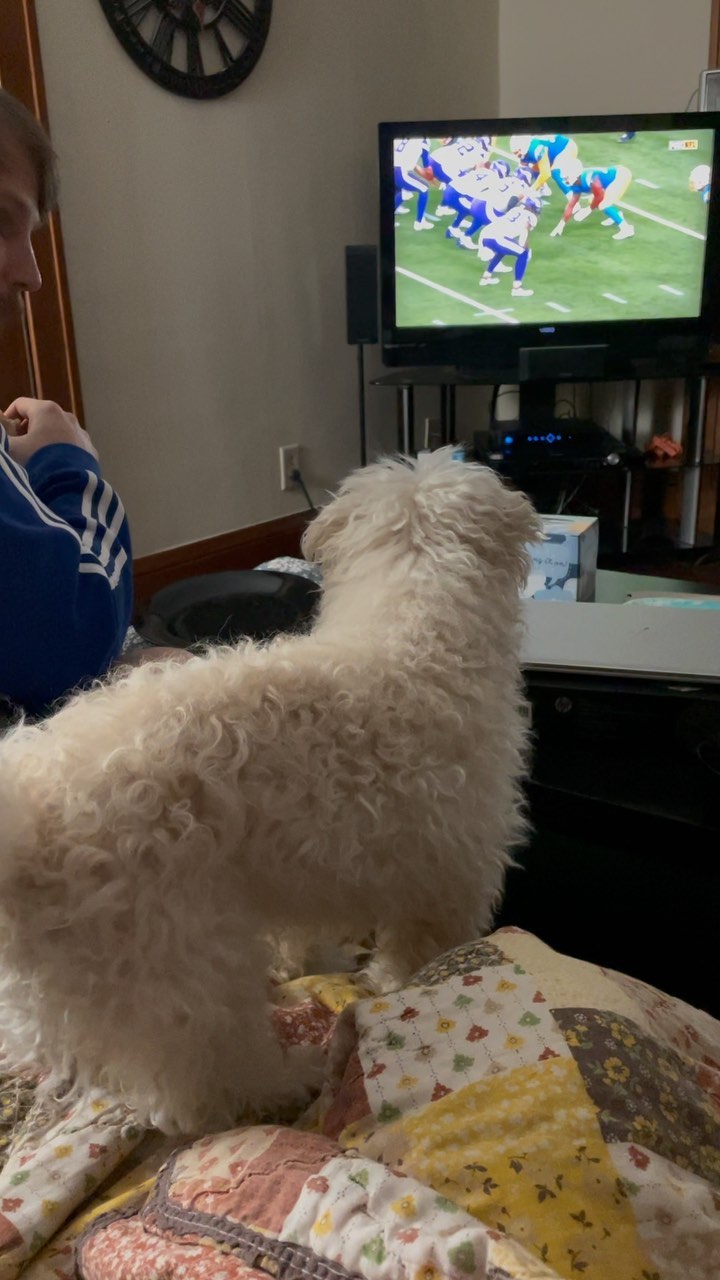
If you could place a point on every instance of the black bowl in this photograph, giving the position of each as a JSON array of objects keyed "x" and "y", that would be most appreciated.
[{"x": 221, "y": 608}]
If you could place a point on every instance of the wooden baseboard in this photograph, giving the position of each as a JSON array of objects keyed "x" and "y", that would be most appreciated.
[{"x": 241, "y": 549}]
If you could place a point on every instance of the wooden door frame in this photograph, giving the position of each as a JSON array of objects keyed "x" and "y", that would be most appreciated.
[
  {"x": 712, "y": 407},
  {"x": 51, "y": 338}
]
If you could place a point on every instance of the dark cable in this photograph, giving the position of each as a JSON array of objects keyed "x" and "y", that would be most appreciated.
[
  {"x": 493, "y": 401},
  {"x": 297, "y": 479},
  {"x": 361, "y": 404}
]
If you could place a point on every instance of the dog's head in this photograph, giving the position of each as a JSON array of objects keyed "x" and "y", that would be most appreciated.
[{"x": 433, "y": 504}]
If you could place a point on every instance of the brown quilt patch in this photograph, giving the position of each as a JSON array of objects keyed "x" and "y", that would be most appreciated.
[
  {"x": 465, "y": 959},
  {"x": 17, "y": 1094},
  {"x": 643, "y": 1090}
]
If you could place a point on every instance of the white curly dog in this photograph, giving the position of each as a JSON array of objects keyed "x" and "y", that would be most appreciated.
[{"x": 156, "y": 829}]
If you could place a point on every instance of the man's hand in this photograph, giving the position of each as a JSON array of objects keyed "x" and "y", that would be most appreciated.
[{"x": 36, "y": 423}]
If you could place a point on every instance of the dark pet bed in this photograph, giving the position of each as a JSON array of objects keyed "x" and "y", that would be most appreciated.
[{"x": 221, "y": 608}]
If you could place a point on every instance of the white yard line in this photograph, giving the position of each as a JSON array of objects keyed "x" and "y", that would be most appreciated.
[
  {"x": 614, "y": 298},
  {"x": 679, "y": 293},
  {"x": 664, "y": 222},
  {"x": 643, "y": 182},
  {"x": 459, "y": 297},
  {"x": 557, "y": 307},
  {"x": 441, "y": 324}
]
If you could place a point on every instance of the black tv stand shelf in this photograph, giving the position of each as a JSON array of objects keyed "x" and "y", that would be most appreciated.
[
  {"x": 447, "y": 378},
  {"x": 670, "y": 367}
]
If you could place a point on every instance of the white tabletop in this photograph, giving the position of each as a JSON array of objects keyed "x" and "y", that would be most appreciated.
[{"x": 638, "y": 640}]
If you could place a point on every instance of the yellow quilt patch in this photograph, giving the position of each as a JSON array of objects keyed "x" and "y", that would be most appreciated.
[{"x": 500, "y": 1149}]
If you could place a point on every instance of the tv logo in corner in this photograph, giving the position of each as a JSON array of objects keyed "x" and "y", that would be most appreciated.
[{"x": 687, "y": 144}]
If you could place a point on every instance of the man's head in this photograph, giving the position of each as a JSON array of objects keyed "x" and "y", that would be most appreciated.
[{"x": 28, "y": 191}]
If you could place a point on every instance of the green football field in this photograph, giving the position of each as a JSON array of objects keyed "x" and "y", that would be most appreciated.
[{"x": 583, "y": 274}]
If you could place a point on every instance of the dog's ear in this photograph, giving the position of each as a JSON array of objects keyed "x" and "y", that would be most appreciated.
[
  {"x": 372, "y": 505},
  {"x": 518, "y": 526},
  {"x": 329, "y": 522},
  {"x": 432, "y": 503},
  {"x": 470, "y": 506}
]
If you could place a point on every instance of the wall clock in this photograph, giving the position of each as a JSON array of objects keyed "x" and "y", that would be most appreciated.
[{"x": 197, "y": 48}]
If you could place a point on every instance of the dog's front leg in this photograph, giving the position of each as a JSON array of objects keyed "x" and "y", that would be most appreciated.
[{"x": 402, "y": 949}]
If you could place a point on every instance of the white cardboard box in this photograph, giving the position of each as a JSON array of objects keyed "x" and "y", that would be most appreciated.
[{"x": 565, "y": 562}]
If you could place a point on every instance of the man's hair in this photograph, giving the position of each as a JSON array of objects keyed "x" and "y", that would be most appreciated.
[{"x": 19, "y": 128}]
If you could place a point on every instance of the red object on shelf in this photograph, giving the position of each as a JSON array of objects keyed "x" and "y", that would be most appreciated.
[{"x": 664, "y": 446}]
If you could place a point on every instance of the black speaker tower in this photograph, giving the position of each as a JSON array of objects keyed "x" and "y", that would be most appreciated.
[{"x": 361, "y": 301}]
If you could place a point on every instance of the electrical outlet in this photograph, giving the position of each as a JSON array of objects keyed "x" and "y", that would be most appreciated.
[{"x": 289, "y": 462}]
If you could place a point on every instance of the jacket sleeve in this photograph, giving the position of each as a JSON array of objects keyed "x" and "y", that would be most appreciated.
[{"x": 65, "y": 574}]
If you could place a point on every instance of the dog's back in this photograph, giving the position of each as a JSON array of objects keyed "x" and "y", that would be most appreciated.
[{"x": 366, "y": 775}]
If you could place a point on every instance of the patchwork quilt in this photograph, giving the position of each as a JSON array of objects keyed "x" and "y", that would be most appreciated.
[{"x": 510, "y": 1114}]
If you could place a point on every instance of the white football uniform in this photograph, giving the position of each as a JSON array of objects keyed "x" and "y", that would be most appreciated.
[
  {"x": 459, "y": 157},
  {"x": 476, "y": 184},
  {"x": 514, "y": 226},
  {"x": 407, "y": 153},
  {"x": 498, "y": 193}
]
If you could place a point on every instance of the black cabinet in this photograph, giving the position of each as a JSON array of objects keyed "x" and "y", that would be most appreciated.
[{"x": 623, "y": 865}]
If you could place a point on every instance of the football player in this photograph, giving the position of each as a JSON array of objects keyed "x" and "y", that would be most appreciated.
[
  {"x": 499, "y": 167},
  {"x": 508, "y": 237},
  {"x": 483, "y": 195},
  {"x": 452, "y": 159},
  {"x": 700, "y": 181},
  {"x": 406, "y": 156},
  {"x": 605, "y": 188},
  {"x": 524, "y": 173},
  {"x": 544, "y": 156}
]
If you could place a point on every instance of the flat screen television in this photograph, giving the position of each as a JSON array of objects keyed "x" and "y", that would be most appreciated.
[{"x": 499, "y": 236}]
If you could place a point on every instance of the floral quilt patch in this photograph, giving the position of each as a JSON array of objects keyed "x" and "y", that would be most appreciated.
[{"x": 643, "y": 1090}]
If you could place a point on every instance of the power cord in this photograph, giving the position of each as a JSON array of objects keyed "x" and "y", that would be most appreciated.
[
  {"x": 564, "y": 499},
  {"x": 296, "y": 477},
  {"x": 493, "y": 401},
  {"x": 497, "y": 394}
]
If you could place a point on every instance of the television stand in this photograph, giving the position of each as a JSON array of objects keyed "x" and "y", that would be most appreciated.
[
  {"x": 552, "y": 445},
  {"x": 448, "y": 378},
  {"x": 536, "y": 404},
  {"x": 538, "y": 440}
]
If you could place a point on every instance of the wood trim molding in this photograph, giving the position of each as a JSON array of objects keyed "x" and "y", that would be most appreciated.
[
  {"x": 49, "y": 318},
  {"x": 714, "y": 52},
  {"x": 712, "y": 411},
  {"x": 240, "y": 549}
]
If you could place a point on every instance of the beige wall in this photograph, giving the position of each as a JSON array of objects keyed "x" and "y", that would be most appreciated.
[
  {"x": 205, "y": 244},
  {"x": 586, "y": 56},
  {"x": 583, "y": 56},
  {"x": 205, "y": 240}
]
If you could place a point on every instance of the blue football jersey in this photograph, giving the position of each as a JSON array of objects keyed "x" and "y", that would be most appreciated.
[
  {"x": 588, "y": 176},
  {"x": 552, "y": 147}
]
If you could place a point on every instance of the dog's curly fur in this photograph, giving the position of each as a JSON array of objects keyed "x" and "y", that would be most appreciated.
[{"x": 158, "y": 827}]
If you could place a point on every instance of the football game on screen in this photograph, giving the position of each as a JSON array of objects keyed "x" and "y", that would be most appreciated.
[{"x": 550, "y": 229}]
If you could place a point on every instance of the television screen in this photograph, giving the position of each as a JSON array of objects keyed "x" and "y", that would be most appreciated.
[{"x": 546, "y": 228}]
